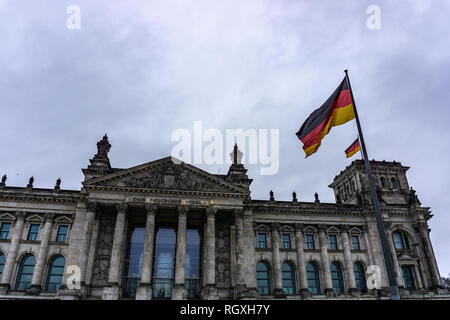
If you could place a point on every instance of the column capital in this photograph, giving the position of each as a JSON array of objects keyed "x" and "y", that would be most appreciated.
[
  {"x": 299, "y": 227},
  {"x": 211, "y": 211},
  {"x": 49, "y": 216},
  {"x": 182, "y": 210},
  {"x": 275, "y": 226},
  {"x": 151, "y": 209},
  {"x": 92, "y": 206},
  {"x": 122, "y": 208},
  {"x": 238, "y": 213},
  {"x": 322, "y": 228},
  {"x": 20, "y": 215},
  {"x": 345, "y": 228},
  {"x": 387, "y": 226}
]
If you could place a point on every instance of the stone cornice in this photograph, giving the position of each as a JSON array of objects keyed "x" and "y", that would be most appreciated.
[{"x": 40, "y": 195}]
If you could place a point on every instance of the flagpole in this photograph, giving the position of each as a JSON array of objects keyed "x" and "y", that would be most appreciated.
[{"x": 384, "y": 242}]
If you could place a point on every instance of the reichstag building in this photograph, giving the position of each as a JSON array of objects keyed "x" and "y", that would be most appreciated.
[{"x": 168, "y": 230}]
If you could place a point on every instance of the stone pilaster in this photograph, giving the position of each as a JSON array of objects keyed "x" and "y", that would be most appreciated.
[
  {"x": 300, "y": 246},
  {"x": 209, "y": 291},
  {"x": 91, "y": 210},
  {"x": 398, "y": 272},
  {"x": 112, "y": 291},
  {"x": 12, "y": 253},
  {"x": 422, "y": 229},
  {"x": 179, "y": 289},
  {"x": 36, "y": 281},
  {"x": 277, "y": 277},
  {"x": 348, "y": 262},
  {"x": 144, "y": 291},
  {"x": 325, "y": 261}
]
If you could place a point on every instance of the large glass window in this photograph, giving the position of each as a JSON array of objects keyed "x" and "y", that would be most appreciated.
[
  {"x": 333, "y": 242},
  {"x": 263, "y": 278},
  {"x": 310, "y": 241},
  {"x": 164, "y": 263},
  {"x": 133, "y": 262},
  {"x": 2, "y": 263},
  {"x": 33, "y": 232},
  {"x": 355, "y": 242},
  {"x": 400, "y": 241},
  {"x": 408, "y": 277},
  {"x": 4, "y": 230},
  {"x": 288, "y": 278},
  {"x": 286, "y": 240},
  {"x": 360, "y": 277},
  {"x": 25, "y": 273},
  {"x": 313, "y": 278},
  {"x": 192, "y": 273},
  {"x": 62, "y": 233},
  {"x": 55, "y": 274},
  {"x": 262, "y": 240},
  {"x": 336, "y": 277}
]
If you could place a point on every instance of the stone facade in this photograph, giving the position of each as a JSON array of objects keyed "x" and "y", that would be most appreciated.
[{"x": 92, "y": 230}]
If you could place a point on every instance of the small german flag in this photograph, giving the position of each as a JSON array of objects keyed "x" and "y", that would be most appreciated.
[
  {"x": 354, "y": 148},
  {"x": 337, "y": 110}
]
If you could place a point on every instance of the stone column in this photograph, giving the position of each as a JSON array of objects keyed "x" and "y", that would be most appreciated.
[
  {"x": 300, "y": 246},
  {"x": 323, "y": 239},
  {"x": 240, "y": 289},
  {"x": 419, "y": 285},
  {"x": 277, "y": 277},
  {"x": 348, "y": 262},
  {"x": 144, "y": 291},
  {"x": 398, "y": 272},
  {"x": 91, "y": 209},
  {"x": 209, "y": 290},
  {"x": 422, "y": 228},
  {"x": 36, "y": 281},
  {"x": 12, "y": 253},
  {"x": 179, "y": 289},
  {"x": 112, "y": 291}
]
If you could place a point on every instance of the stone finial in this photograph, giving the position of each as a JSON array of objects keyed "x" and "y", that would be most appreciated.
[
  {"x": 30, "y": 183},
  {"x": 294, "y": 196},
  {"x": 236, "y": 155},
  {"x": 316, "y": 198},
  {"x": 58, "y": 184},
  {"x": 3, "y": 182},
  {"x": 413, "y": 198},
  {"x": 272, "y": 198}
]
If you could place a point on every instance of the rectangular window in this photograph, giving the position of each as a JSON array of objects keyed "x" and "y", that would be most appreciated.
[
  {"x": 33, "y": 232},
  {"x": 4, "y": 230},
  {"x": 286, "y": 240},
  {"x": 62, "y": 233},
  {"x": 398, "y": 241},
  {"x": 333, "y": 242},
  {"x": 355, "y": 243},
  {"x": 262, "y": 242},
  {"x": 310, "y": 242}
]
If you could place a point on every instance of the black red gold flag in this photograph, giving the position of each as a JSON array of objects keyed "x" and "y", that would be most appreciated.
[
  {"x": 354, "y": 148},
  {"x": 337, "y": 110}
]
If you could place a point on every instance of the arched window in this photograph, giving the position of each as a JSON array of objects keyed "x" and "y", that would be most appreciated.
[
  {"x": 394, "y": 183},
  {"x": 2, "y": 263},
  {"x": 25, "y": 273},
  {"x": 401, "y": 241},
  {"x": 360, "y": 277},
  {"x": 313, "y": 278},
  {"x": 288, "y": 278},
  {"x": 263, "y": 278},
  {"x": 383, "y": 182},
  {"x": 336, "y": 277},
  {"x": 55, "y": 274}
]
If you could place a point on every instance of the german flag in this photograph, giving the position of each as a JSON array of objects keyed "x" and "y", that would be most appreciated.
[
  {"x": 337, "y": 110},
  {"x": 354, "y": 148}
]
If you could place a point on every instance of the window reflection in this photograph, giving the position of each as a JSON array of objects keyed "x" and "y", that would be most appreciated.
[
  {"x": 192, "y": 271},
  {"x": 164, "y": 263},
  {"x": 133, "y": 264}
]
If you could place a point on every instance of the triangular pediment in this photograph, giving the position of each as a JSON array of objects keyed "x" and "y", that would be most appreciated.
[{"x": 166, "y": 174}]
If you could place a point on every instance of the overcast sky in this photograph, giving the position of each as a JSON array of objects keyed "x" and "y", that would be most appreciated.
[{"x": 138, "y": 70}]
